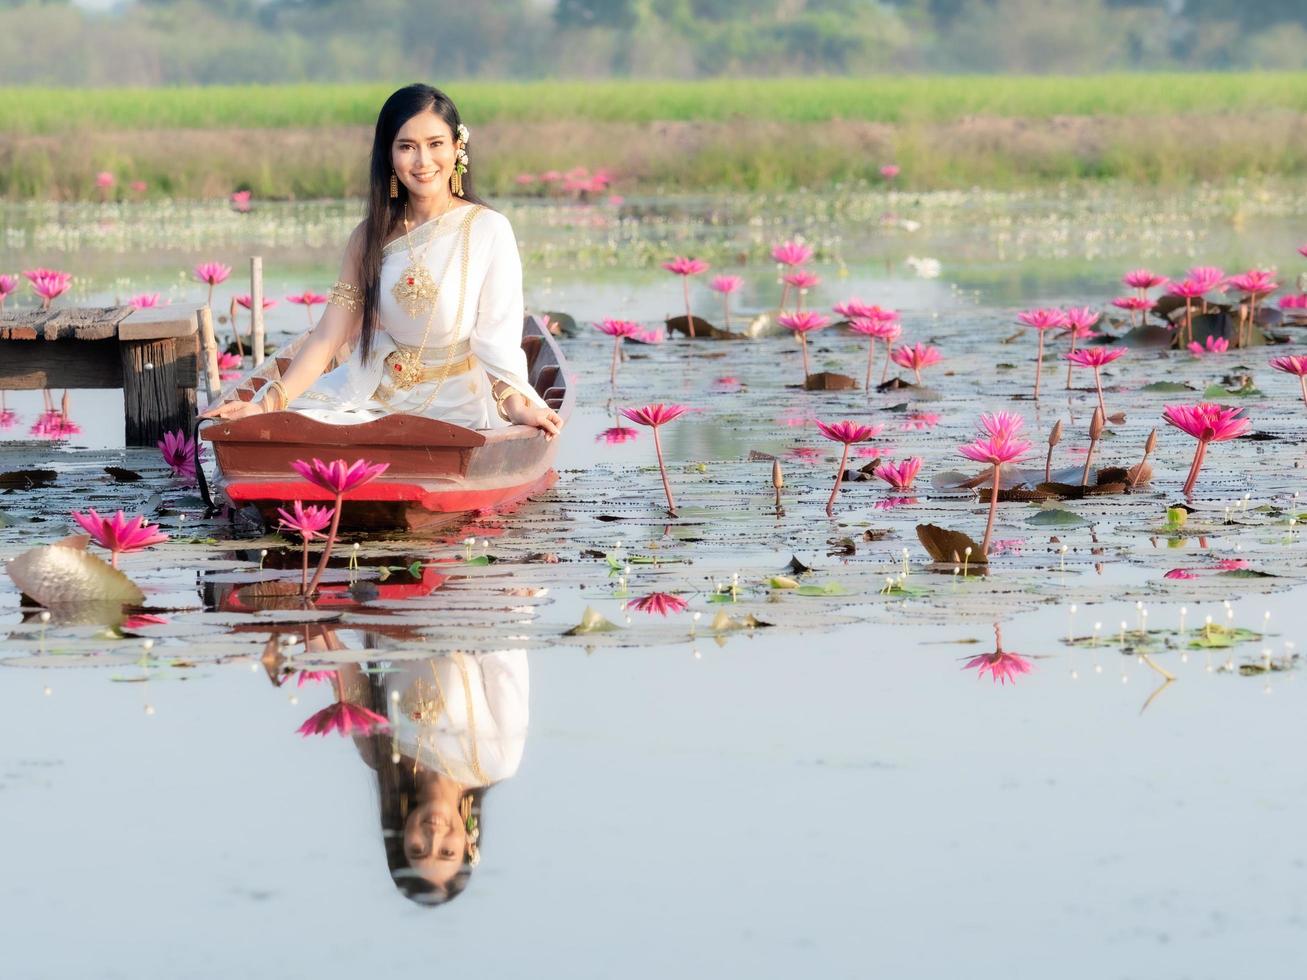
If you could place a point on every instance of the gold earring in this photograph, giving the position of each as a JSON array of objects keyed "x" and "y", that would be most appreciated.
[
  {"x": 460, "y": 168},
  {"x": 394, "y": 185}
]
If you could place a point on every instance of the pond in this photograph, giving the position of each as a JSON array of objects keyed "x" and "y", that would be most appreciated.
[{"x": 814, "y": 748}]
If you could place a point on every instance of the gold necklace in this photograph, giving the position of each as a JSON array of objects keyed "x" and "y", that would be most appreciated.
[
  {"x": 403, "y": 367},
  {"x": 425, "y": 712},
  {"x": 415, "y": 288}
]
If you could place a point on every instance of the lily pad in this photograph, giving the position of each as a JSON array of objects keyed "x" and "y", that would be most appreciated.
[
  {"x": 591, "y": 622},
  {"x": 824, "y": 589},
  {"x": 1056, "y": 517},
  {"x": 64, "y": 572}
]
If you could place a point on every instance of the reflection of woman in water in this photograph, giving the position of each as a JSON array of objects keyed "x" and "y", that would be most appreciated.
[{"x": 457, "y": 727}]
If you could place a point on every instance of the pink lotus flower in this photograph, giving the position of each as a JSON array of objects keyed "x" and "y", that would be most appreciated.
[
  {"x": 1302, "y": 250},
  {"x": 999, "y": 444},
  {"x": 802, "y": 324},
  {"x": 852, "y": 309},
  {"x": 920, "y": 421},
  {"x": 8, "y": 418},
  {"x": 1214, "y": 345},
  {"x": 50, "y": 287},
  {"x": 144, "y": 301},
  {"x": 1293, "y": 364},
  {"x": 1206, "y": 422},
  {"x": 682, "y": 266},
  {"x": 31, "y": 275},
  {"x": 138, "y": 186},
  {"x": 307, "y": 522},
  {"x": 889, "y": 170},
  {"x": 1208, "y": 276},
  {"x": 617, "y": 435},
  {"x": 179, "y": 452},
  {"x": 726, "y": 285},
  {"x": 618, "y": 329},
  {"x": 551, "y": 176},
  {"x": 658, "y": 602},
  {"x": 1042, "y": 320},
  {"x": 212, "y": 273},
  {"x": 303, "y": 677},
  {"x": 685, "y": 268},
  {"x": 338, "y": 477},
  {"x": 1142, "y": 279},
  {"x": 1189, "y": 289},
  {"x": 848, "y": 433},
  {"x": 307, "y": 299},
  {"x": 900, "y": 476},
  {"x": 7, "y": 285},
  {"x": 1096, "y": 357},
  {"x": 791, "y": 253},
  {"x": 524, "y": 180},
  {"x": 1080, "y": 322},
  {"x": 1231, "y": 564},
  {"x": 916, "y": 358},
  {"x": 104, "y": 180},
  {"x": 117, "y": 534},
  {"x": 1255, "y": 282},
  {"x": 229, "y": 366},
  {"x": 1289, "y": 301},
  {"x": 874, "y": 324},
  {"x": 1133, "y": 304},
  {"x": 1180, "y": 573},
  {"x": 240, "y": 201},
  {"x": 802, "y": 279},
  {"x": 131, "y": 624},
  {"x": 655, "y": 416},
  {"x": 1002, "y": 666},
  {"x": 244, "y": 300},
  {"x": 345, "y": 718}
]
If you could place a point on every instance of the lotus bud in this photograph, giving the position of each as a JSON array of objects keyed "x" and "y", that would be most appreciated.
[
  {"x": 1096, "y": 424},
  {"x": 1055, "y": 436},
  {"x": 1151, "y": 444},
  {"x": 777, "y": 477}
]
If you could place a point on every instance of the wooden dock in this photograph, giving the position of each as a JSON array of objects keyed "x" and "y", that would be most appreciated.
[{"x": 151, "y": 354}]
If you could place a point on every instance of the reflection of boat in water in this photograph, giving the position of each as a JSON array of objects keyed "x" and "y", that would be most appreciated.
[{"x": 438, "y": 473}]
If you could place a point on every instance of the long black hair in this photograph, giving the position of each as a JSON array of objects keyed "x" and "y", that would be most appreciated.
[
  {"x": 396, "y": 795},
  {"x": 384, "y": 212}
]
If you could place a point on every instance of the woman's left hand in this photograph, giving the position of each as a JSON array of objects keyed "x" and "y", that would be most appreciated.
[{"x": 522, "y": 412}]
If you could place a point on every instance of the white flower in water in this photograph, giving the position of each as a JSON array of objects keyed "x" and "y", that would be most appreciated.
[
  {"x": 907, "y": 224},
  {"x": 925, "y": 268}
]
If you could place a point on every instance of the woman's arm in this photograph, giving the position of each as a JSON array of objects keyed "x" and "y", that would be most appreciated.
[
  {"x": 497, "y": 335},
  {"x": 337, "y": 325}
]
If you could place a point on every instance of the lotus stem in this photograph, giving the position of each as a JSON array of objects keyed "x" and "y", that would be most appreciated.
[
  {"x": 1194, "y": 467},
  {"x": 1039, "y": 362},
  {"x": 617, "y": 356},
  {"x": 1098, "y": 385},
  {"x": 917, "y": 373},
  {"x": 326, "y": 548},
  {"x": 871, "y": 356},
  {"x": 785, "y": 294},
  {"x": 1188, "y": 322},
  {"x": 1149, "y": 446},
  {"x": 839, "y": 478},
  {"x": 304, "y": 565},
  {"x": 1054, "y": 437},
  {"x": 726, "y": 309},
  {"x": 803, "y": 342},
  {"x": 209, "y": 301},
  {"x": 1302, "y": 381},
  {"x": 1095, "y": 430},
  {"x": 662, "y": 471},
  {"x": 689, "y": 320},
  {"x": 993, "y": 512},
  {"x": 235, "y": 328},
  {"x": 884, "y": 371}
]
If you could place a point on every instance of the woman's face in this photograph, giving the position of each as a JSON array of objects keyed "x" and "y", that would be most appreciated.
[
  {"x": 423, "y": 155},
  {"x": 435, "y": 839}
]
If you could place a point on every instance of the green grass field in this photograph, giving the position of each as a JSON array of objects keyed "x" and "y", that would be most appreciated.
[{"x": 915, "y": 99}]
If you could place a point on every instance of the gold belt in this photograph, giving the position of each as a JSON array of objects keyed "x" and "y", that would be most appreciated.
[{"x": 427, "y": 373}]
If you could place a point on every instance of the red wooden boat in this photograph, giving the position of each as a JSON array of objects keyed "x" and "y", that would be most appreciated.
[{"x": 440, "y": 474}]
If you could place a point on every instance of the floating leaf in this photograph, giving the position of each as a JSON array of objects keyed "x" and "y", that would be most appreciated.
[
  {"x": 945, "y": 545},
  {"x": 824, "y": 589},
  {"x": 591, "y": 622},
  {"x": 1056, "y": 517},
  {"x": 1168, "y": 387},
  {"x": 782, "y": 582},
  {"x": 64, "y": 572},
  {"x": 1218, "y": 391},
  {"x": 829, "y": 381},
  {"x": 27, "y": 479},
  {"x": 122, "y": 475},
  {"x": 722, "y": 622},
  {"x": 1245, "y": 573},
  {"x": 478, "y": 560}
]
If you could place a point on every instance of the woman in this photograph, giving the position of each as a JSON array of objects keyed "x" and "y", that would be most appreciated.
[{"x": 429, "y": 297}]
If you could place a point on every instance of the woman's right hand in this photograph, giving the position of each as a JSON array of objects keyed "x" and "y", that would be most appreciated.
[{"x": 234, "y": 409}]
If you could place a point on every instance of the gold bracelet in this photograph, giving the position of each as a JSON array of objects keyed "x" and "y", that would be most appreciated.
[
  {"x": 505, "y": 393},
  {"x": 346, "y": 295}
]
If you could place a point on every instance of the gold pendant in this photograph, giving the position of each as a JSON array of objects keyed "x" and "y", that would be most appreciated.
[
  {"x": 415, "y": 290},
  {"x": 403, "y": 369}
]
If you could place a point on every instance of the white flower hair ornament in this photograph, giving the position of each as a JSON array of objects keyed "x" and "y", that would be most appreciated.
[{"x": 463, "y": 135}]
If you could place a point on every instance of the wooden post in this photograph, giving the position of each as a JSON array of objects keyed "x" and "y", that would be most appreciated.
[
  {"x": 256, "y": 308},
  {"x": 209, "y": 350}
]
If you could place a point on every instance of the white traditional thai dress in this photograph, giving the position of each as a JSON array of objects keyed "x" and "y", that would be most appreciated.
[
  {"x": 484, "y": 344},
  {"x": 472, "y": 732}
]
